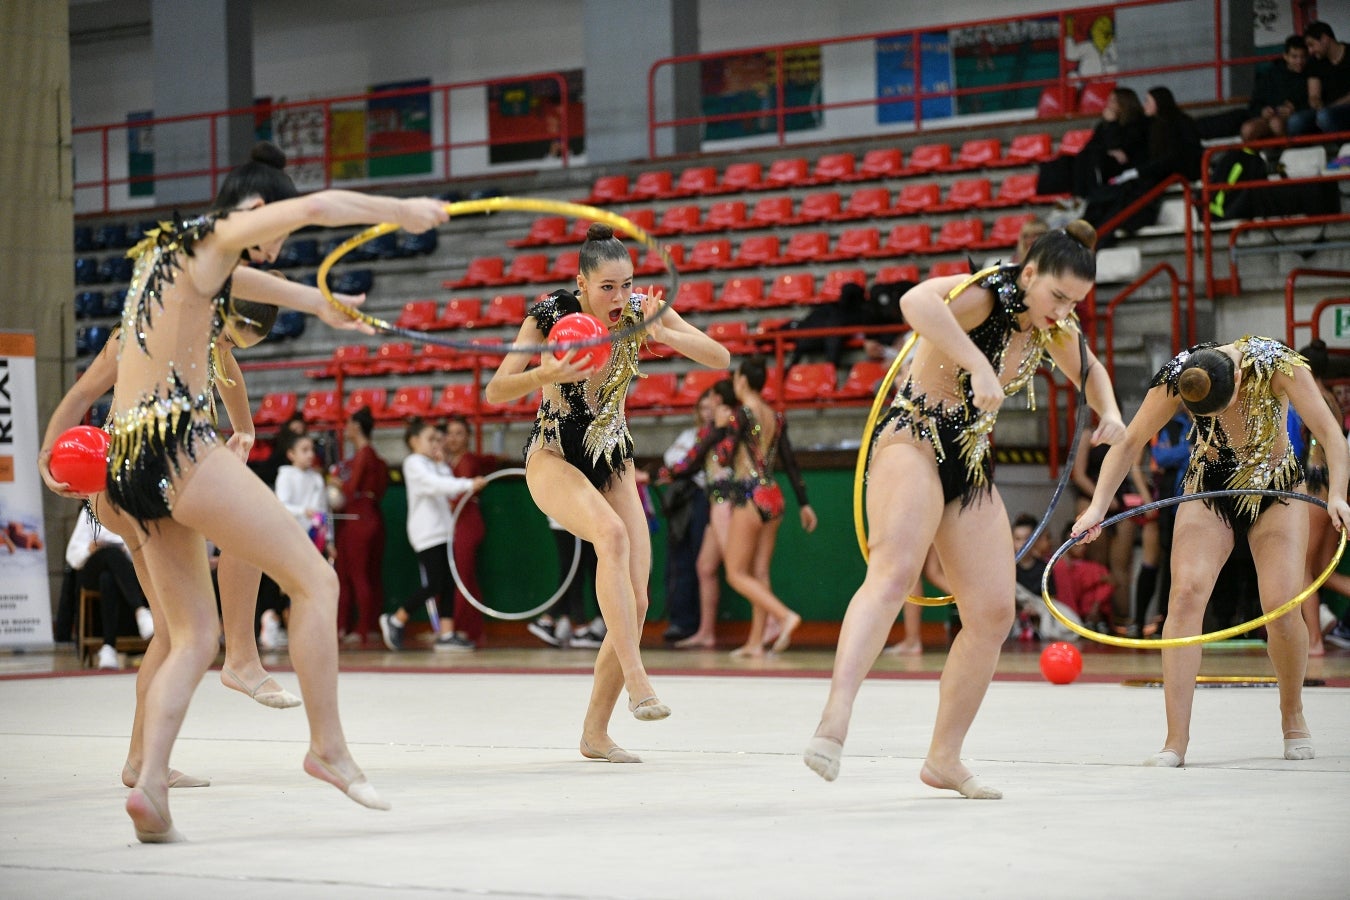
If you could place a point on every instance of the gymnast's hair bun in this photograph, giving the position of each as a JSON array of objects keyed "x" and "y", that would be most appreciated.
[
  {"x": 599, "y": 232},
  {"x": 269, "y": 154}
]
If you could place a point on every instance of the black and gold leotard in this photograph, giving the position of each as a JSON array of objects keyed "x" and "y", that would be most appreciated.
[
  {"x": 934, "y": 406},
  {"x": 163, "y": 409},
  {"x": 1246, "y": 445},
  {"x": 753, "y": 465},
  {"x": 584, "y": 421}
]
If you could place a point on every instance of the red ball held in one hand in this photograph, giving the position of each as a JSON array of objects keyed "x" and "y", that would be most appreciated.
[
  {"x": 576, "y": 327},
  {"x": 80, "y": 459}
]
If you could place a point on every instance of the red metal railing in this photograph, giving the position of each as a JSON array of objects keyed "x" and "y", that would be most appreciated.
[
  {"x": 1126, "y": 293},
  {"x": 1241, "y": 228},
  {"x": 327, "y": 157},
  {"x": 1313, "y": 322},
  {"x": 1065, "y": 80}
]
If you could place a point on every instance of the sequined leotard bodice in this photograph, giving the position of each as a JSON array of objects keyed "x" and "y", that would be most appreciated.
[
  {"x": 163, "y": 408},
  {"x": 584, "y": 421},
  {"x": 1246, "y": 445},
  {"x": 935, "y": 404}
]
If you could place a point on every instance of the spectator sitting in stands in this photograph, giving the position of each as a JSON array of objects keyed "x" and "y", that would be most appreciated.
[
  {"x": 1084, "y": 586},
  {"x": 1281, "y": 90},
  {"x": 1119, "y": 141},
  {"x": 102, "y": 563},
  {"x": 1328, "y": 85}
]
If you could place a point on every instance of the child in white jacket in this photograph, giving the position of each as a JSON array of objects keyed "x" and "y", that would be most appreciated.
[
  {"x": 300, "y": 488},
  {"x": 430, "y": 486}
]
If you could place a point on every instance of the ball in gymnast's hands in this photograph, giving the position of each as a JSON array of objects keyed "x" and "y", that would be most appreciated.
[
  {"x": 579, "y": 327},
  {"x": 80, "y": 459}
]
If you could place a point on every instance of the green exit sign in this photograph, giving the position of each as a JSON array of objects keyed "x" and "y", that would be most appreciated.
[{"x": 1342, "y": 328}]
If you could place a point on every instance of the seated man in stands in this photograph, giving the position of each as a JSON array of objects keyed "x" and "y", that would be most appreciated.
[
  {"x": 102, "y": 563},
  {"x": 1328, "y": 84},
  {"x": 1281, "y": 90}
]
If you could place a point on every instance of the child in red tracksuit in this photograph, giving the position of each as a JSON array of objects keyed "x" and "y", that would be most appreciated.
[{"x": 1085, "y": 587}]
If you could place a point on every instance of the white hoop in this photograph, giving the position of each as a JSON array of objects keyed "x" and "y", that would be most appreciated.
[{"x": 459, "y": 582}]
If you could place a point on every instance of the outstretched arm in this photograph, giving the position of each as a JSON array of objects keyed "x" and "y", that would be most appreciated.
[
  {"x": 264, "y": 287},
  {"x": 514, "y": 380}
]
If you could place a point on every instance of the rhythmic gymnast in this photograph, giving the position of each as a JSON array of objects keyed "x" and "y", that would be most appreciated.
[
  {"x": 1239, "y": 395},
  {"x": 578, "y": 461},
  {"x": 930, "y": 480},
  {"x": 166, "y": 474}
]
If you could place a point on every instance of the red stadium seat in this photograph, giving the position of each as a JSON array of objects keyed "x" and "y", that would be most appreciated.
[
  {"x": 1093, "y": 99},
  {"x": 949, "y": 267},
  {"x": 978, "y": 153},
  {"x": 959, "y": 234},
  {"x": 565, "y": 267},
  {"x": 771, "y": 211},
  {"x": 393, "y": 358},
  {"x": 527, "y": 268},
  {"x": 735, "y": 336},
  {"x": 653, "y": 264},
  {"x": 411, "y": 401},
  {"x": 967, "y": 193},
  {"x": 741, "y": 292},
  {"x": 710, "y": 253},
  {"x": 643, "y": 217},
  {"x": 823, "y": 206},
  {"x": 654, "y": 185},
  {"x": 275, "y": 408},
  {"x": 375, "y": 398},
  {"x": 322, "y": 408},
  {"x": 806, "y": 246},
  {"x": 743, "y": 176},
  {"x": 485, "y": 271},
  {"x": 862, "y": 380},
  {"x": 866, "y": 203},
  {"x": 418, "y": 314},
  {"x": 791, "y": 172},
  {"x": 834, "y": 167},
  {"x": 1073, "y": 142},
  {"x": 543, "y": 231},
  {"x": 435, "y": 358},
  {"x": 929, "y": 158},
  {"x": 683, "y": 219},
  {"x": 609, "y": 189},
  {"x": 910, "y": 237},
  {"x": 461, "y": 312},
  {"x": 351, "y": 360},
  {"x": 835, "y": 279},
  {"x": 854, "y": 243},
  {"x": 1005, "y": 231},
  {"x": 1015, "y": 190},
  {"x": 791, "y": 289},
  {"x": 724, "y": 215},
  {"x": 456, "y": 399},
  {"x": 1056, "y": 101},
  {"x": 806, "y": 382},
  {"x": 653, "y": 390},
  {"x": 917, "y": 198},
  {"x": 773, "y": 384},
  {"x": 696, "y": 181},
  {"x": 695, "y": 382},
  {"x": 576, "y": 235},
  {"x": 891, "y": 274},
  {"x": 1029, "y": 148},
  {"x": 695, "y": 296},
  {"x": 505, "y": 309},
  {"x": 760, "y": 250},
  {"x": 884, "y": 163}
]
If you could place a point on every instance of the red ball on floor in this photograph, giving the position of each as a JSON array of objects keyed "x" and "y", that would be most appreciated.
[{"x": 1061, "y": 663}]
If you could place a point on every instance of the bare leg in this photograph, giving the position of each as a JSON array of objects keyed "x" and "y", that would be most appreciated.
[
  {"x": 243, "y": 671},
  {"x": 904, "y": 506},
  {"x": 742, "y": 543},
  {"x": 1208, "y": 541},
  {"x": 912, "y": 643},
  {"x": 1275, "y": 540},
  {"x": 1321, "y": 545},
  {"x": 709, "y": 584},
  {"x": 255, "y": 527}
]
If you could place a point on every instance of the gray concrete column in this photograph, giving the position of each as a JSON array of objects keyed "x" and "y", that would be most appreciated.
[
  {"x": 623, "y": 39},
  {"x": 203, "y": 61}
]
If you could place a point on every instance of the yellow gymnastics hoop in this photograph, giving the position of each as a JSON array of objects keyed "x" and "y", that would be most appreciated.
[
  {"x": 1222, "y": 634},
  {"x": 491, "y": 205}
]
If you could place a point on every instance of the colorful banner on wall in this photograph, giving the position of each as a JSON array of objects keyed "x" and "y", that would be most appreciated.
[
  {"x": 347, "y": 137},
  {"x": 25, "y": 598},
  {"x": 1090, "y": 43},
  {"x": 1004, "y": 53},
  {"x": 525, "y": 118},
  {"x": 746, "y": 84},
  {"x": 895, "y": 76},
  {"x": 398, "y": 130}
]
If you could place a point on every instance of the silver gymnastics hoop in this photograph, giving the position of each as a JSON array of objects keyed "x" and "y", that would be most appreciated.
[{"x": 459, "y": 581}]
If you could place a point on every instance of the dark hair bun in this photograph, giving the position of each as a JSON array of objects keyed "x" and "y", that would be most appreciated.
[
  {"x": 599, "y": 232},
  {"x": 1194, "y": 384},
  {"x": 1082, "y": 232},
  {"x": 269, "y": 154}
]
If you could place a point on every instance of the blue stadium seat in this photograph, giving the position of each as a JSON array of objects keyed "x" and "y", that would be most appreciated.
[
  {"x": 422, "y": 244},
  {"x": 113, "y": 302},
  {"x": 298, "y": 253},
  {"x": 113, "y": 236},
  {"x": 290, "y": 324},
  {"x": 86, "y": 270},
  {"x": 352, "y": 281},
  {"x": 114, "y": 269},
  {"x": 88, "y": 304},
  {"x": 84, "y": 239}
]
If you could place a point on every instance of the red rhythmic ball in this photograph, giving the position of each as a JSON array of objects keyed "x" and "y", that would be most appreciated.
[
  {"x": 576, "y": 327},
  {"x": 80, "y": 459},
  {"x": 1061, "y": 663}
]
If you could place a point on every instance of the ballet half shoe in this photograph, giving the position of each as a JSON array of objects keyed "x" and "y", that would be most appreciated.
[
  {"x": 142, "y": 810},
  {"x": 281, "y": 699},
  {"x": 358, "y": 789},
  {"x": 648, "y": 709},
  {"x": 615, "y": 754},
  {"x": 177, "y": 779},
  {"x": 1300, "y": 746},
  {"x": 822, "y": 757},
  {"x": 1165, "y": 759}
]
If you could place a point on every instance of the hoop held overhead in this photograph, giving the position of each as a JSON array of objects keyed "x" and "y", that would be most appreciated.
[
  {"x": 491, "y": 205},
  {"x": 459, "y": 581},
  {"x": 1204, "y": 638}
]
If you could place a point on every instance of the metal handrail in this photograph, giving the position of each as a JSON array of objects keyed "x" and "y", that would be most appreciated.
[
  {"x": 1290, "y": 280},
  {"x": 1127, "y": 292}
]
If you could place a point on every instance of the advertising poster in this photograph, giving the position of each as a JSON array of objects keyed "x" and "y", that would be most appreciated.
[
  {"x": 348, "y": 134},
  {"x": 1004, "y": 53},
  {"x": 398, "y": 130},
  {"x": 25, "y": 600},
  {"x": 746, "y": 83},
  {"x": 525, "y": 118},
  {"x": 895, "y": 75},
  {"x": 1090, "y": 43}
]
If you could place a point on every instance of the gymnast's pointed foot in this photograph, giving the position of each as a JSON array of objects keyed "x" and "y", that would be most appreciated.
[
  {"x": 822, "y": 756},
  {"x": 959, "y": 779},
  {"x": 614, "y": 753},
  {"x": 1298, "y": 745},
  {"x": 151, "y": 820},
  {"x": 356, "y": 786},
  {"x": 1166, "y": 759},
  {"x": 177, "y": 779}
]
